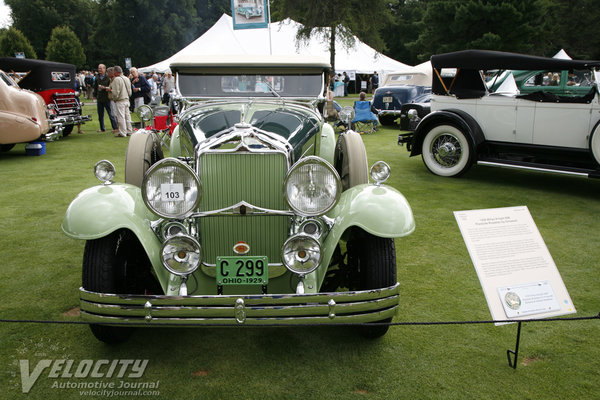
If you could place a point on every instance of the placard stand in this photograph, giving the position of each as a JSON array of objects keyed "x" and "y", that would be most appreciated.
[{"x": 512, "y": 362}]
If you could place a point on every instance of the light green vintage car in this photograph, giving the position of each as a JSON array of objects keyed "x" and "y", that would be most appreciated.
[{"x": 258, "y": 217}]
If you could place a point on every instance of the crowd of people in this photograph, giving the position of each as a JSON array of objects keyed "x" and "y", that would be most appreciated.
[{"x": 118, "y": 93}]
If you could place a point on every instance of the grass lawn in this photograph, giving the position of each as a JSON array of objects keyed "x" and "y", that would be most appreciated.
[{"x": 41, "y": 274}]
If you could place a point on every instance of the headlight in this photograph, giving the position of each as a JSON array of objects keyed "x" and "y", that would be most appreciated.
[
  {"x": 181, "y": 254},
  {"x": 380, "y": 172},
  {"x": 301, "y": 254},
  {"x": 104, "y": 171},
  {"x": 171, "y": 189},
  {"x": 312, "y": 187}
]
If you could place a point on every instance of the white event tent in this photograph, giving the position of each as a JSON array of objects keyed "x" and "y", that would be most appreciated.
[{"x": 222, "y": 39}]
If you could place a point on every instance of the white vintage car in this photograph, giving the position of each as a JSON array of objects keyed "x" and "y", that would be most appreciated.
[{"x": 546, "y": 119}]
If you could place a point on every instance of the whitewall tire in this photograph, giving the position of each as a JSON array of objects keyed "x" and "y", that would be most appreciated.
[{"x": 446, "y": 151}]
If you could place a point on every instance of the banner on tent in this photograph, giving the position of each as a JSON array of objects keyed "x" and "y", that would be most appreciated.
[{"x": 249, "y": 14}]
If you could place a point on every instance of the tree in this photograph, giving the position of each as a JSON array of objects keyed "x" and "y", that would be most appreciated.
[
  {"x": 147, "y": 31},
  {"x": 572, "y": 25},
  {"x": 336, "y": 18},
  {"x": 505, "y": 25},
  {"x": 65, "y": 47},
  {"x": 37, "y": 18},
  {"x": 13, "y": 41},
  {"x": 404, "y": 27}
]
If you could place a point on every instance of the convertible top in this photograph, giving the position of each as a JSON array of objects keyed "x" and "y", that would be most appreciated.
[
  {"x": 467, "y": 83},
  {"x": 41, "y": 74},
  {"x": 487, "y": 59}
]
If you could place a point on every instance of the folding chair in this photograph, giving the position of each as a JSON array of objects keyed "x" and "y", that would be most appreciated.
[
  {"x": 163, "y": 119},
  {"x": 364, "y": 120}
]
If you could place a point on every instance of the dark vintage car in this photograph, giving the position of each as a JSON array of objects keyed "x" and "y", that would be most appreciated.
[
  {"x": 534, "y": 124},
  {"x": 55, "y": 82},
  {"x": 412, "y": 113},
  {"x": 399, "y": 88},
  {"x": 259, "y": 215}
]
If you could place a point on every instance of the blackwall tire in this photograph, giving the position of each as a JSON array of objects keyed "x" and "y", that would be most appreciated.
[
  {"x": 446, "y": 151},
  {"x": 67, "y": 130},
  {"x": 6, "y": 147},
  {"x": 387, "y": 120},
  {"x": 595, "y": 145},
  {"x": 143, "y": 151},
  {"x": 350, "y": 159},
  {"x": 374, "y": 259},
  {"x": 117, "y": 264}
]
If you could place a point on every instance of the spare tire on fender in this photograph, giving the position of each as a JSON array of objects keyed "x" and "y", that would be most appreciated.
[
  {"x": 144, "y": 150},
  {"x": 350, "y": 159}
]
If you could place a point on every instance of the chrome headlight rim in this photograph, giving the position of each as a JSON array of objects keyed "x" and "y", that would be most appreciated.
[
  {"x": 332, "y": 170},
  {"x": 301, "y": 236},
  {"x": 170, "y": 241},
  {"x": 380, "y": 172},
  {"x": 177, "y": 163},
  {"x": 167, "y": 226},
  {"x": 104, "y": 171}
]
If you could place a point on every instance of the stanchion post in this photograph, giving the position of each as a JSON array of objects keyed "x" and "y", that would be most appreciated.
[{"x": 512, "y": 362}]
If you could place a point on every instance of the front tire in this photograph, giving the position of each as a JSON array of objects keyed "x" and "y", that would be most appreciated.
[
  {"x": 373, "y": 260},
  {"x": 67, "y": 130},
  {"x": 116, "y": 264},
  {"x": 387, "y": 120},
  {"x": 446, "y": 151}
]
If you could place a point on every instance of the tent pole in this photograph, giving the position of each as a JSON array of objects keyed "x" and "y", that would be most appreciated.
[{"x": 269, "y": 12}]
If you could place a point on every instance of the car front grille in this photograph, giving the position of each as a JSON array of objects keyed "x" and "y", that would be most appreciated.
[
  {"x": 66, "y": 104},
  {"x": 255, "y": 178}
]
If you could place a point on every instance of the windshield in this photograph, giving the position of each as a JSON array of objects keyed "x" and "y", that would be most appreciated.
[
  {"x": 7, "y": 79},
  {"x": 304, "y": 86}
]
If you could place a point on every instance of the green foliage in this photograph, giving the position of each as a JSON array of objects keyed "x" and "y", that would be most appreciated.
[
  {"x": 572, "y": 25},
  {"x": 149, "y": 31},
  {"x": 451, "y": 25},
  {"x": 64, "y": 46},
  {"x": 37, "y": 18},
  {"x": 13, "y": 41},
  {"x": 404, "y": 26}
]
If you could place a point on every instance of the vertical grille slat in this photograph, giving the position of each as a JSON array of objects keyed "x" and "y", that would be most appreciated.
[{"x": 256, "y": 178}]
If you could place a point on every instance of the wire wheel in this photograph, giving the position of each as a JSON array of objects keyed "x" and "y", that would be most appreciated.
[{"x": 446, "y": 151}]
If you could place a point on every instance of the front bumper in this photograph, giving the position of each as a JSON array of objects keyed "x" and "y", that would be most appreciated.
[
  {"x": 275, "y": 309},
  {"x": 384, "y": 112}
]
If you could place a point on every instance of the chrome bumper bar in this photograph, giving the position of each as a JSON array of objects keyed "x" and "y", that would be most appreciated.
[{"x": 280, "y": 309}]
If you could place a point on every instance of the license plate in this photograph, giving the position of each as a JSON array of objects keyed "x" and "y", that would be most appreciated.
[
  {"x": 388, "y": 99},
  {"x": 242, "y": 270}
]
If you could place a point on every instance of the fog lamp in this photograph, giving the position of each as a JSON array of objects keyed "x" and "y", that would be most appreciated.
[
  {"x": 104, "y": 171},
  {"x": 301, "y": 254},
  {"x": 181, "y": 255},
  {"x": 380, "y": 172}
]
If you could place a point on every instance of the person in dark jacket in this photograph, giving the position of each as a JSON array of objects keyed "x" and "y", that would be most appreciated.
[
  {"x": 141, "y": 88},
  {"x": 102, "y": 100}
]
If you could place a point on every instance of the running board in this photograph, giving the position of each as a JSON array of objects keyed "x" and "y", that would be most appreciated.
[{"x": 532, "y": 167}]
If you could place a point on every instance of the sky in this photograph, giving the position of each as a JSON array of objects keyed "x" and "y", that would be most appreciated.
[{"x": 5, "y": 20}]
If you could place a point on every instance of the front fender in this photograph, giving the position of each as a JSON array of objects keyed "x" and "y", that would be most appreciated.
[
  {"x": 100, "y": 210},
  {"x": 458, "y": 118},
  {"x": 380, "y": 210}
]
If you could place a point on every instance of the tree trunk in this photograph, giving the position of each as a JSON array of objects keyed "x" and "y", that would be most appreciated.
[{"x": 332, "y": 49}]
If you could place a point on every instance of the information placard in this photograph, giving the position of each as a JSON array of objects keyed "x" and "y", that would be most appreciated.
[{"x": 516, "y": 271}]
